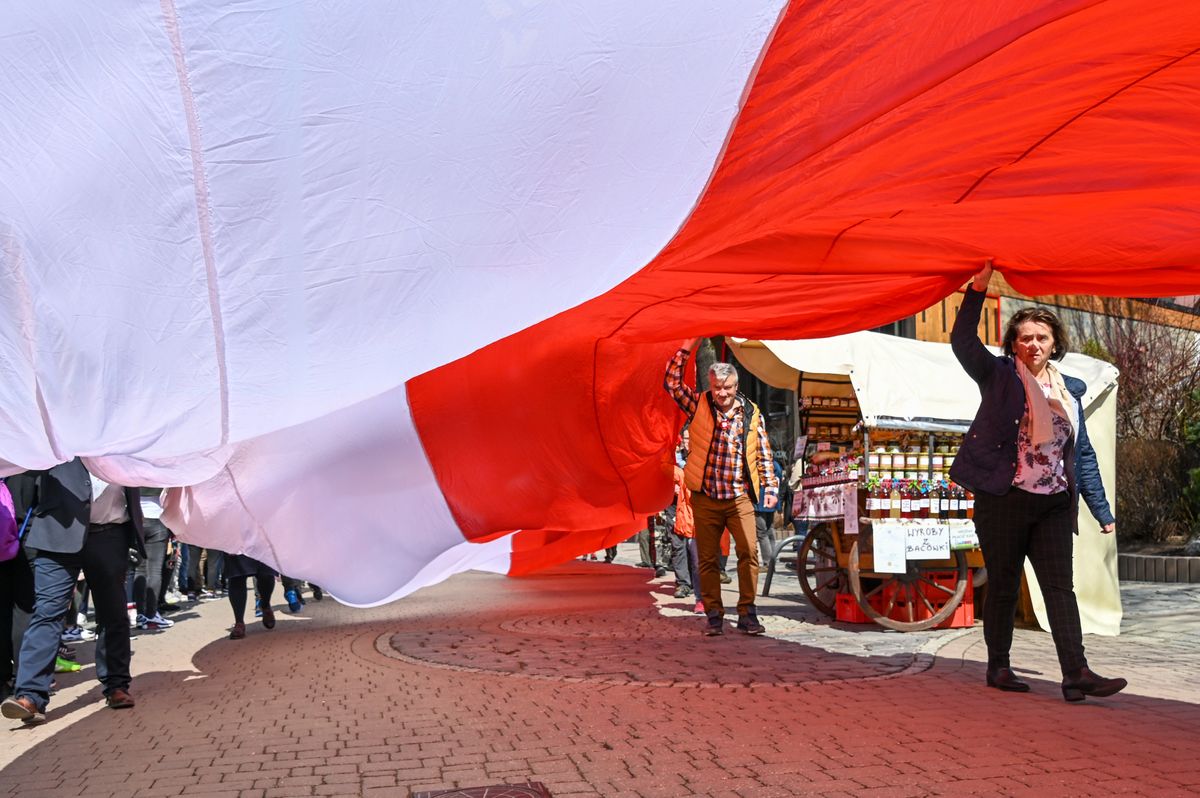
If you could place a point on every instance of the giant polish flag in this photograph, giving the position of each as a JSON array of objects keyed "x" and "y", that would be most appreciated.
[{"x": 390, "y": 286}]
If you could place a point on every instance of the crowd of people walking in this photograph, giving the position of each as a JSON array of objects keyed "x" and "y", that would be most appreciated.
[{"x": 76, "y": 550}]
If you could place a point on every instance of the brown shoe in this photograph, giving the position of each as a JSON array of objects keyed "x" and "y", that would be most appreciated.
[
  {"x": 268, "y": 617},
  {"x": 22, "y": 709},
  {"x": 119, "y": 699},
  {"x": 238, "y": 631},
  {"x": 1081, "y": 683},
  {"x": 1005, "y": 679}
]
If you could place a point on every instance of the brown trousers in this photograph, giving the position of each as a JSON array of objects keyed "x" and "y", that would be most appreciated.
[{"x": 713, "y": 517}]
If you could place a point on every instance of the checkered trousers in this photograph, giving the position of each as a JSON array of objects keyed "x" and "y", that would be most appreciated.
[{"x": 1040, "y": 527}]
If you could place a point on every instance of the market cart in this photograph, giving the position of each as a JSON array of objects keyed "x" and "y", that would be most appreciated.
[
  {"x": 869, "y": 404},
  {"x": 923, "y": 575},
  {"x": 924, "y": 594}
]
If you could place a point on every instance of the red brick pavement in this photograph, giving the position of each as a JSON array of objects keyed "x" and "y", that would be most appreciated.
[{"x": 572, "y": 679}]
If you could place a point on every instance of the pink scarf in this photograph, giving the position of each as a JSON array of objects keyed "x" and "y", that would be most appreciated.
[{"x": 1039, "y": 407}]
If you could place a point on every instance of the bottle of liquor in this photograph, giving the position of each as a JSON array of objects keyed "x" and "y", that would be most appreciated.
[
  {"x": 925, "y": 503},
  {"x": 897, "y": 500},
  {"x": 906, "y": 508},
  {"x": 872, "y": 500},
  {"x": 955, "y": 501},
  {"x": 943, "y": 501},
  {"x": 969, "y": 500}
]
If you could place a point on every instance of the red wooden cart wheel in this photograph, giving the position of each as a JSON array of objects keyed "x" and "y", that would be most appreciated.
[
  {"x": 908, "y": 591},
  {"x": 821, "y": 578}
]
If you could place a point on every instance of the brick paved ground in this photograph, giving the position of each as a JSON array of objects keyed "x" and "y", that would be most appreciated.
[{"x": 592, "y": 680}]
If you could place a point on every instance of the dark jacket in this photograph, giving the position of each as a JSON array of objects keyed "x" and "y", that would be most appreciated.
[
  {"x": 61, "y": 498},
  {"x": 987, "y": 460}
]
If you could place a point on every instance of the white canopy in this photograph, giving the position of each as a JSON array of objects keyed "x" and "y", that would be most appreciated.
[{"x": 898, "y": 382}]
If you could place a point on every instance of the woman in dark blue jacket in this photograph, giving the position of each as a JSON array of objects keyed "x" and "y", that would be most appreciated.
[{"x": 1028, "y": 459}]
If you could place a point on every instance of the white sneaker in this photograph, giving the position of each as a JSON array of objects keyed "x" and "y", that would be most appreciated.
[
  {"x": 140, "y": 621},
  {"x": 158, "y": 622},
  {"x": 77, "y": 634}
]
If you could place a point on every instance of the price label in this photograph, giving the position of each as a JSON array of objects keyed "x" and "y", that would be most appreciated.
[
  {"x": 801, "y": 443},
  {"x": 963, "y": 537}
]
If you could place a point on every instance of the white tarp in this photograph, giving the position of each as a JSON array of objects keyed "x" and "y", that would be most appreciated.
[
  {"x": 230, "y": 232},
  {"x": 892, "y": 377},
  {"x": 305, "y": 204}
]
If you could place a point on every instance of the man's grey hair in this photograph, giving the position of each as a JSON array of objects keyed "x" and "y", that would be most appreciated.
[{"x": 721, "y": 371}]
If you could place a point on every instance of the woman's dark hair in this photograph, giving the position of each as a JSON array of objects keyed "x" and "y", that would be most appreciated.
[{"x": 1062, "y": 342}]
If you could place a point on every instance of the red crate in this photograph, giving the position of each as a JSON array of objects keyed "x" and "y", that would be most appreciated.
[
  {"x": 848, "y": 610},
  {"x": 963, "y": 615}
]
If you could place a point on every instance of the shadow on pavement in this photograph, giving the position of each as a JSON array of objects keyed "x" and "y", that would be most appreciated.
[{"x": 575, "y": 678}]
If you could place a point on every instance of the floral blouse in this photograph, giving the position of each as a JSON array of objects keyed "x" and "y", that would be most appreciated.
[{"x": 1041, "y": 468}]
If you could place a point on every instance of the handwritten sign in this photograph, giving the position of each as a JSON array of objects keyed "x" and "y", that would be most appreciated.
[
  {"x": 927, "y": 542},
  {"x": 889, "y": 547},
  {"x": 897, "y": 541}
]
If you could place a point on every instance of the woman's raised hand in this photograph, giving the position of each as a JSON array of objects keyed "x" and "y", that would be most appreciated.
[{"x": 980, "y": 283}]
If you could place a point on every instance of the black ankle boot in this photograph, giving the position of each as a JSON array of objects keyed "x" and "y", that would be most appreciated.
[
  {"x": 1079, "y": 684},
  {"x": 1003, "y": 678}
]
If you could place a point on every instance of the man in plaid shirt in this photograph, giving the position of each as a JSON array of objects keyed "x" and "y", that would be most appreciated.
[{"x": 728, "y": 468}]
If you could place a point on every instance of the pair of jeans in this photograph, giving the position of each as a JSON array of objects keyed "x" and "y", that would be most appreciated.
[
  {"x": 207, "y": 577},
  {"x": 194, "y": 582},
  {"x": 683, "y": 553},
  {"x": 645, "y": 547},
  {"x": 214, "y": 569},
  {"x": 765, "y": 531},
  {"x": 170, "y": 571},
  {"x": 104, "y": 560},
  {"x": 147, "y": 579},
  {"x": 181, "y": 579}
]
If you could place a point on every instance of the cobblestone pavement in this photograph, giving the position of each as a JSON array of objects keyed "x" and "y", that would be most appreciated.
[{"x": 591, "y": 679}]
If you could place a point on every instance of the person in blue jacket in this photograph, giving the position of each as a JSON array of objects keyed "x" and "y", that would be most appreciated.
[
  {"x": 1027, "y": 459},
  {"x": 764, "y": 519}
]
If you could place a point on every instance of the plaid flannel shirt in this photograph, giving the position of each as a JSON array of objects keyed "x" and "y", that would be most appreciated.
[{"x": 723, "y": 472}]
